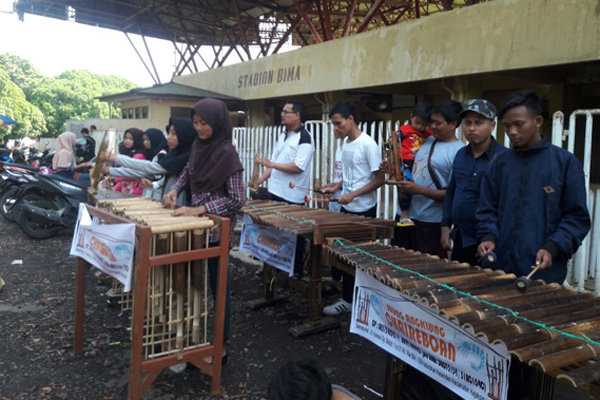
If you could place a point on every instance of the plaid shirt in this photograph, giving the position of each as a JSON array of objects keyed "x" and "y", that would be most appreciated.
[{"x": 223, "y": 202}]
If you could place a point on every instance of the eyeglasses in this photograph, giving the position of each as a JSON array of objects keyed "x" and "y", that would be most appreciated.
[{"x": 283, "y": 112}]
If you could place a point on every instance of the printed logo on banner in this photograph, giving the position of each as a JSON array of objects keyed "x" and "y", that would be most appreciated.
[
  {"x": 495, "y": 371},
  {"x": 430, "y": 343},
  {"x": 269, "y": 245},
  {"x": 107, "y": 247},
  {"x": 470, "y": 351}
]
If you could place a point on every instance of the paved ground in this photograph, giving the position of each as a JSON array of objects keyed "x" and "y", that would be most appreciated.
[{"x": 36, "y": 331}]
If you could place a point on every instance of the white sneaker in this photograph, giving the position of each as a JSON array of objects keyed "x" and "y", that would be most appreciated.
[
  {"x": 339, "y": 307},
  {"x": 179, "y": 368}
]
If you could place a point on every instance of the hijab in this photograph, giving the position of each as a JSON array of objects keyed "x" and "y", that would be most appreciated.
[
  {"x": 177, "y": 158},
  {"x": 138, "y": 142},
  {"x": 65, "y": 155},
  {"x": 213, "y": 160},
  {"x": 158, "y": 142}
]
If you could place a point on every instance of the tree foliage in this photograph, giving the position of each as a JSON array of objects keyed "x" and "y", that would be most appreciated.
[
  {"x": 72, "y": 95},
  {"x": 13, "y": 104},
  {"x": 21, "y": 72}
]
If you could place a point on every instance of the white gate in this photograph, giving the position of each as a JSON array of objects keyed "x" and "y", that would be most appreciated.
[{"x": 586, "y": 262}]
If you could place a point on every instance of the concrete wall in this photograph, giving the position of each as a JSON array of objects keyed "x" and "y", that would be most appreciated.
[
  {"x": 159, "y": 112},
  {"x": 489, "y": 37}
]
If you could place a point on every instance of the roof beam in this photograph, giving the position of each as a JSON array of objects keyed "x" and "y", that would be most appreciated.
[
  {"x": 309, "y": 22},
  {"x": 374, "y": 8},
  {"x": 349, "y": 18}
]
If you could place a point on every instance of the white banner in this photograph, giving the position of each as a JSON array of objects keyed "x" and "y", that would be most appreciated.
[
  {"x": 270, "y": 245},
  {"x": 107, "y": 247},
  {"x": 410, "y": 331}
]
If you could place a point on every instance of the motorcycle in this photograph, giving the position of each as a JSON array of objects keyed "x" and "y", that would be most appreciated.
[
  {"x": 47, "y": 204},
  {"x": 5, "y": 156},
  {"x": 42, "y": 160},
  {"x": 12, "y": 178}
]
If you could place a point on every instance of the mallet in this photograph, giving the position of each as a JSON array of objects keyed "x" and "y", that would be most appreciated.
[
  {"x": 293, "y": 185},
  {"x": 307, "y": 199},
  {"x": 522, "y": 283},
  {"x": 488, "y": 259}
]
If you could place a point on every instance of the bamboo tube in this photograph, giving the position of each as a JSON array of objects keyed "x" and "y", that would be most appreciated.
[
  {"x": 581, "y": 376},
  {"x": 198, "y": 271},
  {"x": 565, "y": 357},
  {"x": 179, "y": 272},
  {"x": 202, "y": 224}
]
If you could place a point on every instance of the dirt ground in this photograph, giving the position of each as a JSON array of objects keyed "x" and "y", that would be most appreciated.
[{"x": 36, "y": 331}]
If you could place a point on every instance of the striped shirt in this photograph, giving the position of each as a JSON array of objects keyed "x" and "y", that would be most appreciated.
[{"x": 223, "y": 202}]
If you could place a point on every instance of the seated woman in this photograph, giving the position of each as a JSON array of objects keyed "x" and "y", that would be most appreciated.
[
  {"x": 214, "y": 174},
  {"x": 133, "y": 147},
  {"x": 167, "y": 165},
  {"x": 64, "y": 161}
]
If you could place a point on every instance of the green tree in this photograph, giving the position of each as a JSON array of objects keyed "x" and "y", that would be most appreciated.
[
  {"x": 72, "y": 95},
  {"x": 21, "y": 72},
  {"x": 13, "y": 104}
]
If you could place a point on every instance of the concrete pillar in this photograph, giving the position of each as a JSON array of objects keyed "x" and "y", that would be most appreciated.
[
  {"x": 256, "y": 114},
  {"x": 467, "y": 87}
]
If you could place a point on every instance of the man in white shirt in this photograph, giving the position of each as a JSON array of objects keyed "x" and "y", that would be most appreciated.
[
  {"x": 291, "y": 162},
  {"x": 360, "y": 179}
]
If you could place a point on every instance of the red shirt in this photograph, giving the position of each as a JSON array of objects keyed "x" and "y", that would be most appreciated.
[{"x": 411, "y": 141}]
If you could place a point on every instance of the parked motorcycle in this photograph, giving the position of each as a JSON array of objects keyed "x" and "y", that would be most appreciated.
[
  {"x": 47, "y": 204},
  {"x": 12, "y": 178},
  {"x": 43, "y": 159}
]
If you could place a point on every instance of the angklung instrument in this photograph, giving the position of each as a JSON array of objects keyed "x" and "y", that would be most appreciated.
[
  {"x": 554, "y": 330},
  {"x": 315, "y": 225},
  {"x": 169, "y": 299}
]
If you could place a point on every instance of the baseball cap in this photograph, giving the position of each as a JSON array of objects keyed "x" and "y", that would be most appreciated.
[{"x": 479, "y": 106}]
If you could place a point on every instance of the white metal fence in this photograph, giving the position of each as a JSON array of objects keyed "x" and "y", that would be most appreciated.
[
  {"x": 585, "y": 265},
  {"x": 261, "y": 140}
]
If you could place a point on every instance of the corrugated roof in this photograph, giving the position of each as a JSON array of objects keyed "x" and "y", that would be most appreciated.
[{"x": 167, "y": 90}]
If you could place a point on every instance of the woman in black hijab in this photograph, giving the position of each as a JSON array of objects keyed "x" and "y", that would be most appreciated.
[
  {"x": 214, "y": 173},
  {"x": 168, "y": 166},
  {"x": 155, "y": 143},
  {"x": 133, "y": 142}
]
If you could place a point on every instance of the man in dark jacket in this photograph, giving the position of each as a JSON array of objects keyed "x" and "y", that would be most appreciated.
[
  {"x": 532, "y": 209},
  {"x": 462, "y": 194}
]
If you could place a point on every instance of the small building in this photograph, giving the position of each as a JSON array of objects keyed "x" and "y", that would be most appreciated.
[{"x": 151, "y": 107}]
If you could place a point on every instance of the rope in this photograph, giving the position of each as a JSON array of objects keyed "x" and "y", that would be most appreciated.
[
  {"x": 282, "y": 215},
  {"x": 469, "y": 295}
]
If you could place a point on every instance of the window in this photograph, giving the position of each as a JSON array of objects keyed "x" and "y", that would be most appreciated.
[
  {"x": 138, "y": 113},
  {"x": 130, "y": 113},
  {"x": 124, "y": 113},
  {"x": 145, "y": 112}
]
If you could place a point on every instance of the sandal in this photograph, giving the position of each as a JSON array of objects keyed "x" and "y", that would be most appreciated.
[{"x": 405, "y": 222}]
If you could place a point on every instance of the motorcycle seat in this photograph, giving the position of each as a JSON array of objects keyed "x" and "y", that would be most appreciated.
[
  {"x": 67, "y": 180},
  {"x": 21, "y": 166}
]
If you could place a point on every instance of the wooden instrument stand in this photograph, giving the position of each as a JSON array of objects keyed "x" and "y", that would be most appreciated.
[{"x": 144, "y": 372}]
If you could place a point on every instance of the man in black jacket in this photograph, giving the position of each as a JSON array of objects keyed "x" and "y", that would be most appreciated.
[{"x": 533, "y": 205}]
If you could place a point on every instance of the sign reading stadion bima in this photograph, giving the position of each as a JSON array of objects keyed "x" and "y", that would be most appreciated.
[{"x": 463, "y": 363}]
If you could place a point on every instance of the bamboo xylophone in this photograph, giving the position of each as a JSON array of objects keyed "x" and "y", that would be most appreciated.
[
  {"x": 177, "y": 302},
  {"x": 169, "y": 298},
  {"x": 552, "y": 329},
  {"x": 316, "y": 224}
]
